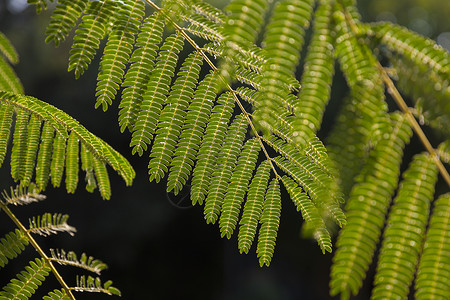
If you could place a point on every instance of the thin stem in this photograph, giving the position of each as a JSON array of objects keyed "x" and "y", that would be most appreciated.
[
  {"x": 38, "y": 249},
  {"x": 393, "y": 91},
  {"x": 229, "y": 88}
]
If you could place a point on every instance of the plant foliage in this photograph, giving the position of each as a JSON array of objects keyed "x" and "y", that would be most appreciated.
[
  {"x": 26, "y": 283},
  {"x": 47, "y": 142},
  {"x": 228, "y": 119},
  {"x": 195, "y": 117}
]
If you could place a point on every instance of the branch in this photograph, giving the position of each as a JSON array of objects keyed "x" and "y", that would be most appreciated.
[
  {"x": 229, "y": 88},
  {"x": 393, "y": 91},
  {"x": 38, "y": 249}
]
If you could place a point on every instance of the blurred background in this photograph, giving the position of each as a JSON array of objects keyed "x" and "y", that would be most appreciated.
[{"x": 155, "y": 249}]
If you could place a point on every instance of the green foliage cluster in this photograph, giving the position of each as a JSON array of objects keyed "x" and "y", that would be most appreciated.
[
  {"x": 31, "y": 278},
  {"x": 194, "y": 114}
]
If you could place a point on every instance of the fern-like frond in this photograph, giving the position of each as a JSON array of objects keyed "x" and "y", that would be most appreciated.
[
  {"x": 316, "y": 152},
  {"x": 90, "y": 32},
  {"x": 11, "y": 245},
  {"x": 253, "y": 207},
  {"x": 142, "y": 62},
  {"x": 314, "y": 191},
  {"x": 69, "y": 134},
  {"x": 7, "y": 49},
  {"x": 241, "y": 28},
  {"x": 40, "y": 4},
  {"x": 419, "y": 49},
  {"x": 284, "y": 35},
  {"x": 91, "y": 284},
  {"x": 6, "y": 114},
  {"x": 117, "y": 51},
  {"x": 310, "y": 213},
  {"x": 366, "y": 207},
  {"x": 238, "y": 186},
  {"x": 22, "y": 195},
  {"x": 8, "y": 78},
  {"x": 403, "y": 236},
  {"x": 58, "y": 160},
  {"x": 432, "y": 279},
  {"x": 250, "y": 58},
  {"x": 187, "y": 117},
  {"x": 208, "y": 153},
  {"x": 56, "y": 295},
  {"x": 63, "y": 19},
  {"x": 317, "y": 75},
  {"x": 48, "y": 224},
  {"x": 44, "y": 156},
  {"x": 84, "y": 262},
  {"x": 358, "y": 64},
  {"x": 101, "y": 175},
  {"x": 297, "y": 158},
  {"x": 156, "y": 94},
  {"x": 223, "y": 170},
  {"x": 202, "y": 27},
  {"x": 208, "y": 11},
  {"x": 72, "y": 162},
  {"x": 27, "y": 281},
  {"x": 191, "y": 133},
  {"x": 87, "y": 164},
  {"x": 283, "y": 41},
  {"x": 270, "y": 220},
  {"x": 171, "y": 119},
  {"x": 347, "y": 146},
  {"x": 19, "y": 149},
  {"x": 34, "y": 131},
  {"x": 245, "y": 20},
  {"x": 431, "y": 97}
]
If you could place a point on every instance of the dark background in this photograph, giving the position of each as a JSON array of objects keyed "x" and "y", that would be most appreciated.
[{"x": 156, "y": 250}]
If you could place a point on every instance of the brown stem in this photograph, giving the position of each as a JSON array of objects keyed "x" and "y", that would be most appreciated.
[
  {"x": 392, "y": 90},
  {"x": 38, "y": 249}
]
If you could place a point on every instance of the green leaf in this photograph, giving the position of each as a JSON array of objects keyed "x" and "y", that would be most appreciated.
[
  {"x": 137, "y": 76},
  {"x": 48, "y": 224},
  {"x": 44, "y": 156},
  {"x": 53, "y": 145},
  {"x": 34, "y": 132},
  {"x": 172, "y": 118},
  {"x": 27, "y": 281},
  {"x": 238, "y": 186},
  {"x": 432, "y": 279},
  {"x": 310, "y": 213},
  {"x": 403, "y": 236},
  {"x": 366, "y": 209},
  {"x": 63, "y": 19},
  {"x": 72, "y": 163},
  {"x": 208, "y": 153},
  {"x": 270, "y": 220},
  {"x": 156, "y": 94},
  {"x": 6, "y": 113},
  {"x": 57, "y": 295},
  {"x": 90, "y": 32},
  {"x": 253, "y": 207},
  {"x": 19, "y": 148},
  {"x": 226, "y": 161},
  {"x": 197, "y": 116},
  {"x": 11, "y": 245},
  {"x": 317, "y": 75},
  {"x": 117, "y": 51}
]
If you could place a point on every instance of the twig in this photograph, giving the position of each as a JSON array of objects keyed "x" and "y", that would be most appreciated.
[
  {"x": 38, "y": 249},
  {"x": 393, "y": 91}
]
